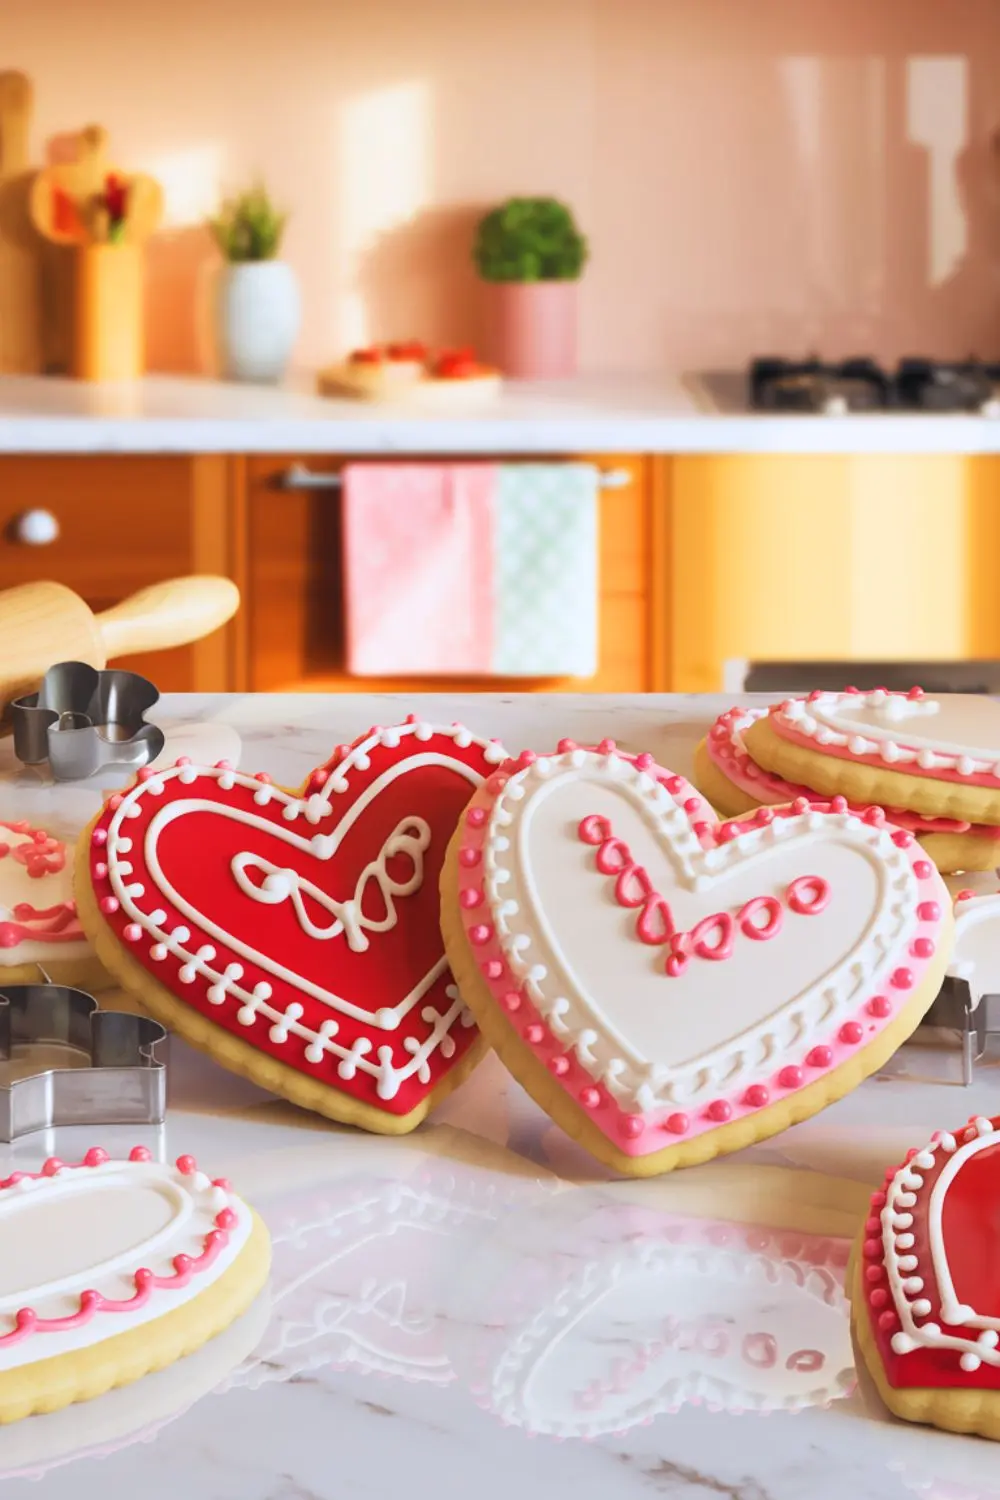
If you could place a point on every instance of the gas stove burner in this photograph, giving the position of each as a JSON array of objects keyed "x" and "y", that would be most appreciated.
[
  {"x": 917, "y": 385},
  {"x": 932, "y": 385},
  {"x": 810, "y": 385}
]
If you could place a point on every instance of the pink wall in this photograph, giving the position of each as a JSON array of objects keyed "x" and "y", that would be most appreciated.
[{"x": 770, "y": 176}]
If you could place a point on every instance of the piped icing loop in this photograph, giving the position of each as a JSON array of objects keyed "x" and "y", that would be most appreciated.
[
  {"x": 32, "y": 861},
  {"x": 928, "y": 1250},
  {"x": 149, "y": 1273},
  {"x": 312, "y": 937},
  {"x": 577, "y": 841}
]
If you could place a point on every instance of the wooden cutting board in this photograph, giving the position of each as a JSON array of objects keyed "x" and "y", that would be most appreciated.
[{"x": 21, "y": 344}]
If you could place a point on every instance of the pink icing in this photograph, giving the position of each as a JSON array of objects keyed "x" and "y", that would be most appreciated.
[
  {"x": 910, "y": 768},
  {"x": 729, "y": 755},
  {"x": 637, "y": 1135},
  {"x": 27, "y": 1323},
  {"x": 49, "y": 924},
  {"x": 714, "y": 936},
  {"x": 40, "y": 855}
]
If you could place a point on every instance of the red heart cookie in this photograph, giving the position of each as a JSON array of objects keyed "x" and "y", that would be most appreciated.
[
  {"x": 926, "y": 1299},
  {"x": 668, "y": 989},
  {"x": 294, "y": 935}
]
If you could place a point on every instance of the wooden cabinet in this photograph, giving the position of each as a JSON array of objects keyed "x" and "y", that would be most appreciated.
[
  {"x": 291, "y": 576},
  {"x": 110, "y": 526},
  {"x": 871, "y": 557}
]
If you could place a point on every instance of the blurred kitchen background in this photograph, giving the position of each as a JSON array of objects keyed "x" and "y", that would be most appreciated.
[{"x": 596, "y": 489}]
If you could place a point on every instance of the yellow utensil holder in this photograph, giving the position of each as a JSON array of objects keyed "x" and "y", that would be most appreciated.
[{"x": 108, "y": 333}]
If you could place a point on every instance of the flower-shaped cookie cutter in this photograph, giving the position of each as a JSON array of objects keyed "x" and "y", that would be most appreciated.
[
  {"x": 82, "y": 720},
  {"x": 64, "y": 1061}
]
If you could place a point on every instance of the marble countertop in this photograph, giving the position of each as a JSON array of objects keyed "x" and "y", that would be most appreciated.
[
  {"x": 477, "y": 1309},
  {"x": 173, "y": 414}
]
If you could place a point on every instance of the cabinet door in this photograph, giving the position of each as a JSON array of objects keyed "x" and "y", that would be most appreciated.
[
  {"x": 868, "y": 557},
  {"x": 294, "y": 583},
  {"x": 115, "y": 525}
]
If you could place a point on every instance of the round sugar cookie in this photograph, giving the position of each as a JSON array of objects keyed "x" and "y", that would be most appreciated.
[
  {"x": 936, "y": 756},
  {"x": 113, "y": 1269},
  {"x": 292, "y": 935},
  {"x": 670, "y": 989},
  {"x": 40, "y": 931},
  {"x": 923, "y": 1284},
  {"x": 734, "y": 783}
]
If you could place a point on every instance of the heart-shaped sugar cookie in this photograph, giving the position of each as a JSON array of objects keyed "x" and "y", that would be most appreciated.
[
  {"x": 294, "y": 935},
  {"x": 926, "y": 1296},
  {"x": 668, "y": 990}
]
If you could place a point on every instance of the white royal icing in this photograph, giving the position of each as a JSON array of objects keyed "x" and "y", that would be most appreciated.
[
  {"x": 411, "y": 838},
  {"x": 382, "y": 1063},
  {"x": 919, "y": 1329},
  {"x": 90, "y": 1229},
  {"x": 957, "y": 732},
  {"x": 976, "y": 952},
  {"x": 652, "y": 1040}
]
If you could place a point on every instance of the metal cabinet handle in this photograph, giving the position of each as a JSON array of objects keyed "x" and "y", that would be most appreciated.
[
  {"x": 36, "y": 528},
  {"x": 298, "y": 477}
]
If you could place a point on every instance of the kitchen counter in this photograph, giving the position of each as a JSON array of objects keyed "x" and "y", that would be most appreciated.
[
  {"x": 172, "y": 414},
  {"x": 476, "y": 1310}
]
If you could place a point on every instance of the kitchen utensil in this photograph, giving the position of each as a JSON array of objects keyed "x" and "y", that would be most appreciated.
[
  {"x": 41, "y": 622},
  {"x": 64, "y": 1061},
  {"x": 20, "y": 249},
  {"x": 82, "y": 721}
]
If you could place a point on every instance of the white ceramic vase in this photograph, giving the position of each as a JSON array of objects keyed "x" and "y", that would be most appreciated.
[{"x": 257, "y": 317}]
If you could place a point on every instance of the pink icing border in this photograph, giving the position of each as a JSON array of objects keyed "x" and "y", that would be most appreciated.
[
  {"x": 27, "y": 1323},
  {"x": 727, "y": 752},
  {"x": 841, "y": 752},
  {"x": 637, "y": 1134}
]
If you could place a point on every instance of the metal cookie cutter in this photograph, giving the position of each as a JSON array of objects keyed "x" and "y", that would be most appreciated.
[
  {"x": 64, "y": 1061},
  {"x": 961, "y": 1008},
  {"x": 82, "y": 720}
]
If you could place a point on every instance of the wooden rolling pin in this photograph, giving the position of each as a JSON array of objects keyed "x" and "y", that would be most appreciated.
[{"x": 43, "y": 623}]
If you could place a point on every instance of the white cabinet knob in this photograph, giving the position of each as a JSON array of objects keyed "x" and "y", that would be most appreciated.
[{"x": 36, "y": 528}]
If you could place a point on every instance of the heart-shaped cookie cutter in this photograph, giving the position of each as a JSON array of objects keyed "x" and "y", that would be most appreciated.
[
  {"x": 115, "y": 1068},
  {"x": 82, "y": 720}
]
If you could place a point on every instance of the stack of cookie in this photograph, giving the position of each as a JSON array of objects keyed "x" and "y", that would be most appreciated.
[{"x": 932, "y": 764}]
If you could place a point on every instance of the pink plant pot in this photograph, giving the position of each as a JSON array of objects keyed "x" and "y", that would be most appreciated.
[{"x": 535, "y": 327}]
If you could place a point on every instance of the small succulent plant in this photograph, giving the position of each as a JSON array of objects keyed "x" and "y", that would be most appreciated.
[
  {"x": 530, "y": 239},
  {"x": 248, "y": 226}
]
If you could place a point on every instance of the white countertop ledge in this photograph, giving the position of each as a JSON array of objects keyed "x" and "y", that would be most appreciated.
[{"x": 611, "y": 414}]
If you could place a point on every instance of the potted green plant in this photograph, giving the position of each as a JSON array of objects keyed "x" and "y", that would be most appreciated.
[
  {"x": 257, "y": 299},
  {"x": 532, "y": 253}
]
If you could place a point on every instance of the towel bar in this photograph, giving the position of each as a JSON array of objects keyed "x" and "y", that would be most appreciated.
[{"x": 298, "y": 477}]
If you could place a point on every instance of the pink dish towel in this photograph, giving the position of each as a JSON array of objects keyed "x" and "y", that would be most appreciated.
[{"x": 418, "y": 572}]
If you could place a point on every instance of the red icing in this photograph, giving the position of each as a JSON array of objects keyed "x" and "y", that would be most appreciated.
[
  {"x": 27, "y": 1323},
  {"x": 969, "y": 1228},
  {"x": 197, "y": 851}
]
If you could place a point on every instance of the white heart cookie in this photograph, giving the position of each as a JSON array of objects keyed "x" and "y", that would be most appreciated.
[
  {"x": 956, "y": 735},
  {"x": 675, "y": 979}
]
